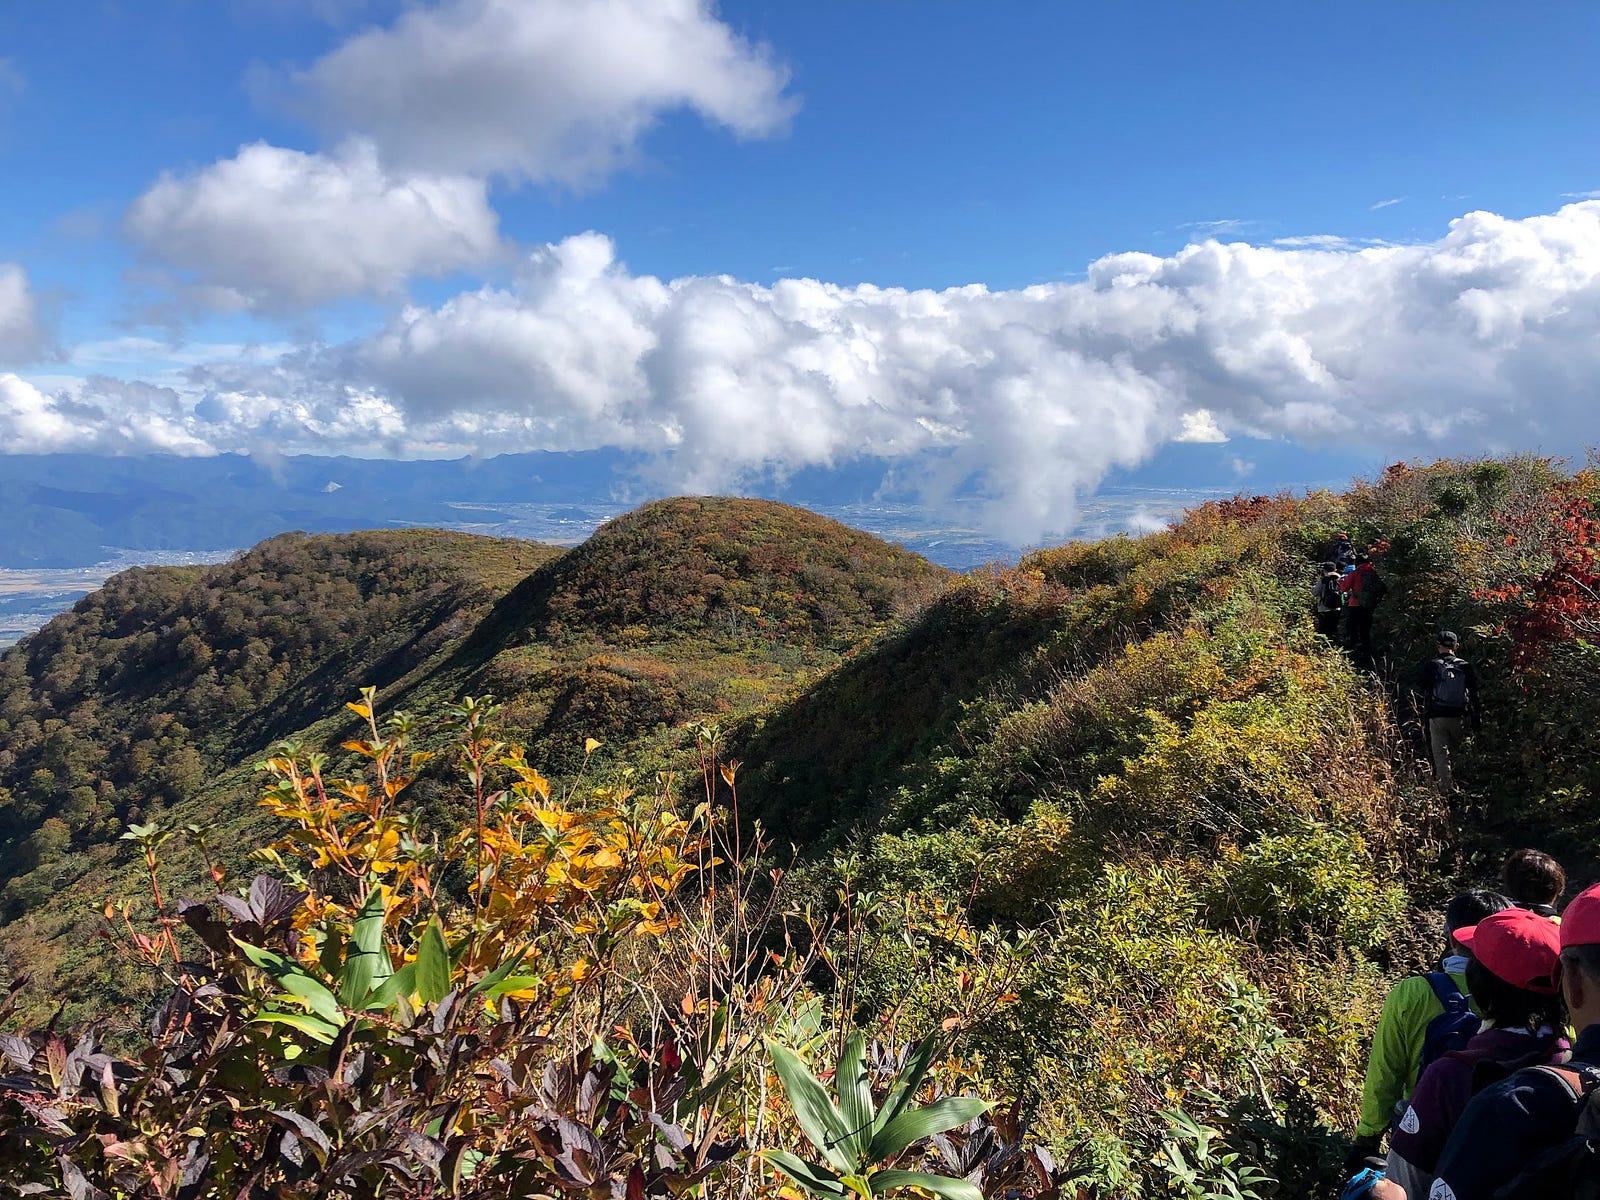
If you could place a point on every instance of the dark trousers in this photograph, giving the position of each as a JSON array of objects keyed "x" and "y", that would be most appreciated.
[
  {"x": 1328, "y": 624},
  {"x": 1358, "y": 626}
]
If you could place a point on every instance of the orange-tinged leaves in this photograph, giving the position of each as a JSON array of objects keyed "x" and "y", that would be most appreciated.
[{"x": 605, "y": 859}]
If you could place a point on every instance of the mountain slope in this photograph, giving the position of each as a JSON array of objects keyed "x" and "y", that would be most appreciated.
[
  {"x": 152, "y": 697},
  {"x": 131, "y": 701},
  {"x": 1183, "y": 840},
  {"x": 683, "y": 608}
]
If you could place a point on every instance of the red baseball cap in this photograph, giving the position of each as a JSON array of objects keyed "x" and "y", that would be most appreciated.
[
  {"x": 1519, "y": 946},
  {"x": 1580, "y": 920}
]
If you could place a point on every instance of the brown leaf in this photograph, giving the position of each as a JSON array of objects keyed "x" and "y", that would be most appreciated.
[{"x": 55, "y": 1059}]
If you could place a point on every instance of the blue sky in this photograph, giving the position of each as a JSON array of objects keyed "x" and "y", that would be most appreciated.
[
  {"x": 866, "y": 146},
  {"x": 935, "y": 145}
]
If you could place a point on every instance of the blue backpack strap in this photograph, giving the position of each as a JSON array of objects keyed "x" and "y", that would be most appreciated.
[{"x": 1452, "y": 997}]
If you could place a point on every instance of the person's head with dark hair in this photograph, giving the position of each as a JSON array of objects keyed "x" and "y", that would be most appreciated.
[
  {"x": 1467, "y": 909},
  {"x": 1532, "y": 879},
  {"x": 1512, "y": 972},
  {"x": 1363, "y": 558},
  {"x": 1580, "y": 959}
]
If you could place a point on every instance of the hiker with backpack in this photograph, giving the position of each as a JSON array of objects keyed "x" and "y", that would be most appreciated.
[
  {"x": 1341, "y": 552},
  {"x": 1533, "y": 880},
  {"x": 1326, "y": 600},
  {"x": 1424, "y": 1017},
  {"x": 1535, "y": 1135},
  {"x": 1362, "y": 590},
  {"x": 1511, "y": 976},
  {"x": 1449, "y": 687}
]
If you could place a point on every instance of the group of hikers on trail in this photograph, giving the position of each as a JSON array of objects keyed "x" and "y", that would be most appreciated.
[
  {"x": 1348, "y": 588},
  {"x": 1483, "y": 1074}
]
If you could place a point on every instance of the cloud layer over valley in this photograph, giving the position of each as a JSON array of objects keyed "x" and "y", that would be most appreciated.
[{"x": 1481, "y": 340}]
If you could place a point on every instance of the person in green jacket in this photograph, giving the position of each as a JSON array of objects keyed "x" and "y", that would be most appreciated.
[{"x": 1397, "y": 1043}]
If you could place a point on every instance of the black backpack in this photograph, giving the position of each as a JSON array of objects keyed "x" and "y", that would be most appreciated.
[
  {"x": 1328, "y": 594},
  {"x": 1450, "y": 684},
  {"x": 1569, "y": 1170}
]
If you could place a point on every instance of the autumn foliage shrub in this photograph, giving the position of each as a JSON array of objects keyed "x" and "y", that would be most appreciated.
[{"x": 572, "y": 993}]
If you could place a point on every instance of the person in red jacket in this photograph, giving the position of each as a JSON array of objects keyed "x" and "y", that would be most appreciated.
[{"x": 1362, "y": 589}]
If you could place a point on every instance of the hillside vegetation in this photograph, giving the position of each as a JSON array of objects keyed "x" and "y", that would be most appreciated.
[
  {"x": 155, "y": 696},
  {"x": 140, "y": 700},
  {"x": 684, "y": 609},
  {"x": 1138, "y": 848}
]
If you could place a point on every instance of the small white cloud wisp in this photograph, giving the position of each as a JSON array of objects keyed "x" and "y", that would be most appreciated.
[{"x": 1482, "y": 340}]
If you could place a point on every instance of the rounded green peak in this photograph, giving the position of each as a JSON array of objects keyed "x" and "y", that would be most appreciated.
[{"x": 718, "y": 564}]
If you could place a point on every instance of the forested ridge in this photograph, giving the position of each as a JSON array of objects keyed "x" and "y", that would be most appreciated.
[
  {"x": 154, "y": 696},
  {"x": 1116, "y": 824},
  {"x": 167, "y": 676}
]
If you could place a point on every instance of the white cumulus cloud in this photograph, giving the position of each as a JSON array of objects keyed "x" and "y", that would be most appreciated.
[
  {"x": 559, "y": 90},
  {"x": 1201, "y": 426},
  {"x": 1482, "y": 340},
  {"x": 101, "y": 416},
  {"x": 23, "y": 336},
  {"x": 275, "y": 230}
]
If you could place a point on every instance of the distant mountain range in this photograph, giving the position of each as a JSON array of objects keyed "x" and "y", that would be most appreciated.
[{"x": 66, "y": 510}]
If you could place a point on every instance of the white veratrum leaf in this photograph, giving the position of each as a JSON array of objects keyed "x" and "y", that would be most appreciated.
[
  {"x": 433, "y": 965},
  {"x": 366, "y": 962},
  {"x": 905, "y": 1088},
  {"x": 917, "y": 1123},
  {"x": 883, "y": 1182},
  {"x": 313, "y": 1027},
  {"x": 854, "y": 1090},
  {"x": 814, "y": 1177},
  {"x": 813, "y": 1109},
  {"x": 292, "y": 978}
]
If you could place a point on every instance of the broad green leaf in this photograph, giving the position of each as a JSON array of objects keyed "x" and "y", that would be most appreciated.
[
  {"x": 905, "y": 1088},
  {"x": 433, "y": 965},
  {"x": 318, "y": 998},
  {"x": 813, "y": 1109},
  {"x": 307, "y": 1024},
  {"x": 882, "y": 1182},
  {"x": 402, "y": 983},
  {"x": 496, "y": 975},
  {"x": 917, "y": 1123},
  {"x": 855, "y": 1093},
  {"x": 273, "y": 964},
  {"x": 814, "y": 1177},
  {"x": 511, "y": 983},
  {"x": 366, "y": 962},
  {"x": 292, "y": 978},
  {"x": 332, "y": 954}
]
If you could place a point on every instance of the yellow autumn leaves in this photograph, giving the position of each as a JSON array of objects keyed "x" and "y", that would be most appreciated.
[{"x": 559, "y": 886}]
